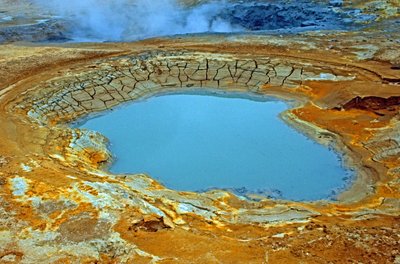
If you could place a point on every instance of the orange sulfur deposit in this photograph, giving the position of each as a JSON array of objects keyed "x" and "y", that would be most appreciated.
[{"x": 58, "y": 203}]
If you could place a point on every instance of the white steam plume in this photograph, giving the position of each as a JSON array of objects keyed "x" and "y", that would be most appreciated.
[{"x": 124, "y": 20}]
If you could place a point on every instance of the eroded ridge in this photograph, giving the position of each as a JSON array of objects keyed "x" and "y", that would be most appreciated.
[{"x": 112, "y": 82}]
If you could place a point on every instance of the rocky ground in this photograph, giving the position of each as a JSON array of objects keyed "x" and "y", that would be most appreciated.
[{"x": 59, "y": 204}]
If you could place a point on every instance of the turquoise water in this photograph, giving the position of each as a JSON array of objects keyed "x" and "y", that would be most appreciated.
[{"x": 195, "y": 142}]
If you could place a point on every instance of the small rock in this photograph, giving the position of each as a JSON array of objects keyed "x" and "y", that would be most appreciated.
[
  {"x": 9, "y": 258},
  {"x": 336, "y": 3},
  {"x": 301, "y": 228},
  {"x": 3, "y": 161},
  {"x": 152, "y": 223},
  {"x": 280, "y": 235},
  {"x": 167, "y": 222}
]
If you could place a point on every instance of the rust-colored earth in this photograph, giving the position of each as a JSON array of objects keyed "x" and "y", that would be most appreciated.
[{"x": 58, "y": 204}]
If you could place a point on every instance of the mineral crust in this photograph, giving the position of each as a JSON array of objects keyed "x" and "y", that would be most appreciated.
[{"x": 59, "y": 204}]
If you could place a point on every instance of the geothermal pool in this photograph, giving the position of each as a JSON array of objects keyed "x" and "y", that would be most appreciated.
[{"x": 196, "y": 142}]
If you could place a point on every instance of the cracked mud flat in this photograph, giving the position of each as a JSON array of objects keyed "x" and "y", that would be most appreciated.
[{"x": 59, "y": 205}]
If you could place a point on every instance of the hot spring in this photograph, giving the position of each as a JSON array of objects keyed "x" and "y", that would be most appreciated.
[{"x": 198, "y": 142}]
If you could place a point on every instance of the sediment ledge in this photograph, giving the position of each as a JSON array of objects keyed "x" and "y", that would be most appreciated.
[
  {"x": 54, "y": 186},
  {"x": 112, "y": 82}
]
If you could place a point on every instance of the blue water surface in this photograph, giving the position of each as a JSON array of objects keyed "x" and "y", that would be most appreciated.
[{"x": 193, "y": 142}]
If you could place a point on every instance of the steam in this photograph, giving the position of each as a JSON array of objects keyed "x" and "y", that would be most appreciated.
[{"x": 124, "y": 20}]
